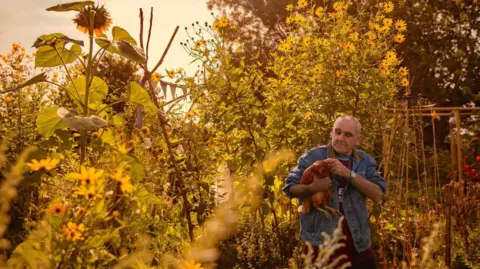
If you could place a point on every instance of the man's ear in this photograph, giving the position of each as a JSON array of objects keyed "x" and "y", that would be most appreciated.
[{"x": 359, "y": 140}]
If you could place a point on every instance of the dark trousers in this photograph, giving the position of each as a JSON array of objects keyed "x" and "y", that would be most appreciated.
[{"x": 368, "y": 264}]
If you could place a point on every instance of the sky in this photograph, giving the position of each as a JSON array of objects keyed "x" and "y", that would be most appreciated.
[{"x": 23, "y": 21}]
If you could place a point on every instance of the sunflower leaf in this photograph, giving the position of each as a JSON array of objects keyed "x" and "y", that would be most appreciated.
[
  {"x": 138, "y": 95},
  {"x": 36, "y": 79},
  {"x": 129, "y": 51},
  {"x": 47, "y": 56},
  {"x": 48, "y": 121},
  {"x": 121, "y": 34},
  {"x": 73, "y": 6},
  {"x": 98, "y": 91},
  {"x": 53, "y": 39}
]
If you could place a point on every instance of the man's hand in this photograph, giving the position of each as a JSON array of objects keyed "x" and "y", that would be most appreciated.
[
  {"x": 320, "y": 184},
  {"x": 337, "y": 168}
]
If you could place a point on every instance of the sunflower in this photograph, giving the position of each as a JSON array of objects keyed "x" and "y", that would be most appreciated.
[
  {"x": 101, "y": 21},
  {"x": 404, "y": 82}
]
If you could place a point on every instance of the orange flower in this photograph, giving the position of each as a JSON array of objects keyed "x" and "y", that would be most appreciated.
[
  {"x": 399, "y": 38},
  {"x": 403, "y": 71},
  {"x": 404, "y": 82},
  {"x": 73, "y": 232},
  {"x": 56, "y": 208}
]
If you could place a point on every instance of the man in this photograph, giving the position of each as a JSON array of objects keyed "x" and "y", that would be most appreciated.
[{"x": 353, "y": 179}]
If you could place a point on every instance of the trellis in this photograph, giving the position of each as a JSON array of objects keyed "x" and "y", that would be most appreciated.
[{"x": 405, "y": 112}]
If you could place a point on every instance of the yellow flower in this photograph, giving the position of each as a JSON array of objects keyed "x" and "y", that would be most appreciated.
[
  {"x": 399, "y": 38},
  {"x": 404, "y": 82},
  {"x": 302, "y": 3},
  {"x": 403, "y": 71},
  {"x": 73, "y": 232},
  {"x": 308, "y": 115},
  {"x": 289, "y": 19},
  {"x": 8, "y": 98},
  {"x": 388, "y": 7},
  {"x": 319, "y": 12},
  {"x": 354, "y": 36},
  {"x": 221, "y": 23},
  {"x": 391, "y": 57},
  {"x": 56, "y": 208},
  {"x": 125, "y": 184},
  {"x": 317, "y": 71},
  {"x": 384, "y": 70},
  {"x": 115, "y": 213},
  {"x": 387, "y": 23},
  {"x": 339, "y": 6},
  {"x": 171, "y": 73},
  {"x": 289, "y": 7},
  {"x": 88, "y": 176},
  {"x": 348, "y": 47},
  {"x": 102, "y": 20},
  {"x": 299, "y": 18},
  {"x": 146, "y": 130},
  {"x": 191, "y": 265},
  {"x": 89, "y": 193},
  {"x": 435, "y": 116},
  {"x": 189, "y": 114},
  {"x": 340, "y": 73},
  {"x": 400, "y": 25},
  {"x": 156, "y": 77},
  {"x": 46, "y": 164}
]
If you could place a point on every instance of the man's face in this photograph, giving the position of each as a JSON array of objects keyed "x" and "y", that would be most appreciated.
[{"x": 345, "y": 137}]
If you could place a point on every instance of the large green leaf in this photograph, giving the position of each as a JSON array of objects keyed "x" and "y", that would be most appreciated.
[
  {"x": 108, "y": 137},
  {"x": 47, "y": 56},
  {"x": 121, "y": 34},
  {"x": 48, "y": 121},
  {"x": 72, "y": 6},
  {"x": 52, "y": 39},
  {"x": 130, "y": 51},
  {"x": 140, "y": 96},
  {"x": 103, "y": 42},
  {"x": 98, "y": 91},
  {"x": 122, "y": 44}
]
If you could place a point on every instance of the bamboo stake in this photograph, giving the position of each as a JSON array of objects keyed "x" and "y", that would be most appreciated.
[
  {"x": 459, "y": 145},
  {"x": 407, "y": 217}
]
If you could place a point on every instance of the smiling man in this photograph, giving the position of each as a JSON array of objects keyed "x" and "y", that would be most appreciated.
[{"x": 353, "y": 178}]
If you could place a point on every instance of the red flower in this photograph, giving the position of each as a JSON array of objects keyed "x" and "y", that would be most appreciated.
[
  {"x": 466, "y": 168},
  {"x": 478, "y": 158}
]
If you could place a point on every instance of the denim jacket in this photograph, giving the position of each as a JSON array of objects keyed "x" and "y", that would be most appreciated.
[{"x": 354, "y": 202}]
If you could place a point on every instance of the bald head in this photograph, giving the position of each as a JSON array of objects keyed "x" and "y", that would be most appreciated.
[{"x": 358, "y": 126}]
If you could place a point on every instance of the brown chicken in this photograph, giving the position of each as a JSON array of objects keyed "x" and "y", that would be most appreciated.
[{"x": 319, "y": 199}]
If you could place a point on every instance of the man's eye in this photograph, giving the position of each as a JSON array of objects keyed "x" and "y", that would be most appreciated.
[
  {"x": 348, "y": 135},
  {"x": 338, "y": 132}
]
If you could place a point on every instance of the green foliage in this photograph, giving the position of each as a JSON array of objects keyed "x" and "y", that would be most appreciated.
[
  {"x": 139, "y": 95},
  {"x": 56, "y": 54},
  {"x": 48, "y": 121}
]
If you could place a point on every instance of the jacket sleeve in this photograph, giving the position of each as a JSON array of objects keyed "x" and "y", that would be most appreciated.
[
  {"x": 372, "y": 175},
  {"x": 296, "y": 174}
]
